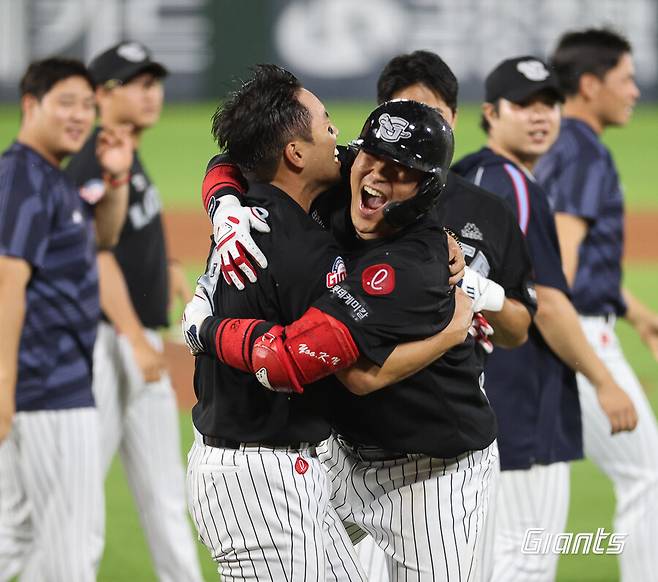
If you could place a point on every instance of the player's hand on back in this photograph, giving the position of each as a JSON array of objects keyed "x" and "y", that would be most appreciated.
[
  {"x": 115, "y": 151},
  {"x": 232, "y": 225},
  {"x": 198, "y": 309},
  {"x": 456, "y": 261},
  {"x": 617, "y": 405}
]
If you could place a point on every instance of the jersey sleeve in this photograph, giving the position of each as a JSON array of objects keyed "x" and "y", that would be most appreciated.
[
  {"x": 24, "y": 224},
  {"x": 391, "y": 297},
  {"x": 574, "y": 186}
]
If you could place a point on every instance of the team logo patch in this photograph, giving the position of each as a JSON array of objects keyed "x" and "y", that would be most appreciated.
[
  {"x": 337, "y": 274},
  {"x": 378, "y": 279},
  {"x": 392, "y": 129},
  {"x": 471, "y": 231},
  {"x": 533, "y": 70},
  {"x": 301, "y": 466},
  {"x": 92, "y": 191}
]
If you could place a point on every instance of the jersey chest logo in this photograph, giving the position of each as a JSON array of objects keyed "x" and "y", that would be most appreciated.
[
  {"x": 337, "y": 274},
  {"x": 378, "y": 279}
]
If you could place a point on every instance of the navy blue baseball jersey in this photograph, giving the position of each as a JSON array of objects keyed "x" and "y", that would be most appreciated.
[
  {"x": 580, "y": 178},
  {"x": 44, "y": 222},
  {"x": 532, "y": 391}
]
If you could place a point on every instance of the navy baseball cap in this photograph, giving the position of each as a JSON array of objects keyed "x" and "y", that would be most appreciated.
[
  {"x": 124, "y": 62},
  {"x": 520, "y": 78}
]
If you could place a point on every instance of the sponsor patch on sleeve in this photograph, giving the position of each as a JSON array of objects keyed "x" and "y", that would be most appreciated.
[{"x": 378, "y": 279}]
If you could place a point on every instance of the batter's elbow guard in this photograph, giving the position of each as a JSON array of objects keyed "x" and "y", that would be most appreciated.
[
  {"x": 232, "y": 342},
  {"x": 222, "y": 177}
]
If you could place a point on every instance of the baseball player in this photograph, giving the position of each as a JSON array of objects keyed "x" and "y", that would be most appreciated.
[
  {"x": 533, "y": 388},
  {"x": 595, "y": 71},
  {"x": 399, "y": 449},
  {"x": 257, "y": 492},
  {"x": 51, "y": 495},
  {"x": 489, "y": 236},
  {"x": 133, "y": 391}
]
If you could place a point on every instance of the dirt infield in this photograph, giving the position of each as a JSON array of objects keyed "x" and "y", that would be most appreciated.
[{"x": 187, "y": 239}]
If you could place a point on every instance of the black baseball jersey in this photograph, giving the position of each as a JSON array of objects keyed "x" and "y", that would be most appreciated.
[
  {"x": 490, "y": 238},
  {"x": 140, "y": 252},
  {"x": 303, "y": 262},
  {"x": 397, "y": 291}
]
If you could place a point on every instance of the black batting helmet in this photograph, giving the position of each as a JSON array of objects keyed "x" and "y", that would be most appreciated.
[{"x": 416, "y": 136}]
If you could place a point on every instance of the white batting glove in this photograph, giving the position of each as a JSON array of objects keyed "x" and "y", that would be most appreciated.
[
  {"x": 196, "y": 312},
  {"x": 232, "y": 224},
  {"x": 487, "y": 295}
]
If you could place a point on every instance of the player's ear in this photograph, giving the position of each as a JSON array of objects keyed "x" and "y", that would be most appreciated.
[
  {"x": 589, "y": 86},
  {"x": 489, "y": 111},
  {"x": 293, "y": 154},
  {"x": 28, "y": 103},
  {"x": 455, "y": 113}
]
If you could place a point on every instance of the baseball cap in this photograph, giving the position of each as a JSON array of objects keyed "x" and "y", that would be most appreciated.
[
  {"x": 519, "y": 78},
  {"x": 123, "y": 62}
]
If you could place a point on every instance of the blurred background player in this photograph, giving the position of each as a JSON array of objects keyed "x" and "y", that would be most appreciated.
[
  {"x": 596, "y": 73},
  {"x": 133, "y": 391},
  {"x": 51, "y": 490},
  {"x": 533, "y": 388}
]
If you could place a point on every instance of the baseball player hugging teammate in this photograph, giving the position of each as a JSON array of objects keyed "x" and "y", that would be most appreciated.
[{"x": 404, "y": 446}]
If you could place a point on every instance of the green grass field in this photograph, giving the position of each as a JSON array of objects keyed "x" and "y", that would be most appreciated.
[{"x": 176, "y": 152}]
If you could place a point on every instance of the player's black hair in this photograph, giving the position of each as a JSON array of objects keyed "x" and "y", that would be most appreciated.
[
  {"x": 418, "y": 67},
  {"x": 594, "y": 51},
  {"x": 260, "y": 118},
  {"x": 41, "y": 76}
]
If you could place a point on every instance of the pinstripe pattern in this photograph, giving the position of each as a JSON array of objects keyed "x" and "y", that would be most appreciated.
[
  {"x": 427, "y": 515},
  {"x": 262, "y": 520},
  {"x": 141, "y": 421},
  {"x": 51, "y": 497},
  {"x": 630, "y": 460},
  {"x": 533, "y": 498}
]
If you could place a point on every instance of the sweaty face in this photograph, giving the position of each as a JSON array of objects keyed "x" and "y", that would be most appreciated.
[
  {"x": 376, "y": 182},
  {"x": 137, "y": 102},
  {"x": 423, "y": 94},
  {"x": 525, "y": 130},
  {"x": 62, "y": 120},
  {"x": 320, "y": 156},
  {"x": 618, "y": 93}
]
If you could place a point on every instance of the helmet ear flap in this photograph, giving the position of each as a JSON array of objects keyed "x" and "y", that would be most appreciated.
[{"x": 401, "y": 214}]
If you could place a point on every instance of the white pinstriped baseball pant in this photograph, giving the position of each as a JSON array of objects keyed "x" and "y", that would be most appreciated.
[
  {"x": 427, "y": 515},
  {"x": 264, "y": 514},
  {"x": 51, "y": 497},
  {"x": 630, "y": 460}
]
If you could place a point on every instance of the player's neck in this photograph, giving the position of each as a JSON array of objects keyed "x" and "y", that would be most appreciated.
[
  {"x": 576, "y": 108},
  {"x": 301, "y": 192},
  {"x": 28, "y": 139},
  {"x": 522, "y": 162}
]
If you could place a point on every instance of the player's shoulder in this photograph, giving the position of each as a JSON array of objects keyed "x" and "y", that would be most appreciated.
[
  {"x": 477, "y": 199},
  {"x": 26, "y": 174}
]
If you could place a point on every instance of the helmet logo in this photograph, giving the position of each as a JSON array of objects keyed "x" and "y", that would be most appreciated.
[{"x": 391, "y": 129}]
